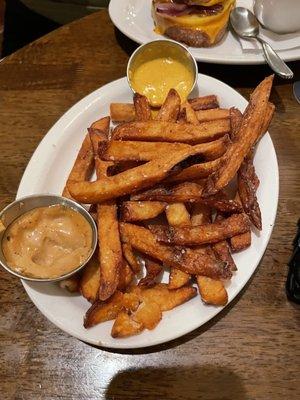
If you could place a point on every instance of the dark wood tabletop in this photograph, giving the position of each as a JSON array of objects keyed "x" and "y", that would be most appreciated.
[{"x": 251, "y": 351}]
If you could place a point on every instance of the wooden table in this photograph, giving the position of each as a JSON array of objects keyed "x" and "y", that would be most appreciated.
[{"x": 250, "y": 352}]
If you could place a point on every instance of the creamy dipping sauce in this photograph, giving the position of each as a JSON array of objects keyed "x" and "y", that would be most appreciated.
[
  {"x": 47, "y": 242},
  {"x": 157, "y": 70}
]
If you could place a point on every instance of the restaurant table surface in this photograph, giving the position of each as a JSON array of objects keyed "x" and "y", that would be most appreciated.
[{"x": 250, "y": 351}]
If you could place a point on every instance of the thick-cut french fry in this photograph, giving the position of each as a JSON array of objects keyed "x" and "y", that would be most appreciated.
[
  {"x": 83, "y": 167},
  {"x": 178, "y": 215},
  {"x": 212, "y": 114},
  {"x": 170, "y": 109},
  {"x": 204, "y": 103},
  {"x": 131, "y": 258},
  {"x": 267, "y": 119},
  {"x": 90, "y": 280},
  {"x": 161, "y": 131},
  {"x": 153, "y": 269},
  {"x": 122, "y": 112},
  {"x": 242, "y": 241},
  {"x": 131, "y": 180},
  {"x": 116, "y": 150},
  {"x": 222, "y": 250},
  {"x": 126, "y": 276},
  {"x": 140, "y": 210},
  {"x": 197, "y": 171},
  {"x": 247, "y": 185},
  {"x": 189, "y": 192},
  {"x": 102, "y": 311},
  {"x": 189, "y": 113},
  {"x": 212, "y": 291},
  {"x": 110, "y": 250},
  {"x": 184, "y": 259},
  {"x": 249, "y": 132},
  {"x": 236, "y": 118},
  {"x": 142, "y": 107},
  {"x": 203, "y": 234},
  {"x": 125, "y": 326}
]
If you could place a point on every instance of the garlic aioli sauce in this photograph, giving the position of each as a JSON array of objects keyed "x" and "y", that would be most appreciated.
[
  {"x": 47, "y": 242},
  {"x": 156, "y": 71}
]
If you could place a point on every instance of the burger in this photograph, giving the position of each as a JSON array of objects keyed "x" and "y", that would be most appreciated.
[{"x": 197, "y": 23}]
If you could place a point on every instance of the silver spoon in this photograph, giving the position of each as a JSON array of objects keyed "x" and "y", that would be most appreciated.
[{"x": 246, "y": 25}]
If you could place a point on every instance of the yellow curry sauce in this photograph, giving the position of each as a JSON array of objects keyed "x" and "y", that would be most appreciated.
[
  {"x": 155, "y": 73},
  {"x": 47, "y": 242}
]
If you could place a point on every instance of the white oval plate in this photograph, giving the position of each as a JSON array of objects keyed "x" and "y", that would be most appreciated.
[
  {"x": 47, "y": 172},
  {"x": 133, "y": 18}
]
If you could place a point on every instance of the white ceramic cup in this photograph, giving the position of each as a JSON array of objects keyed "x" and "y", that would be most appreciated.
[{"x": 280, "y": 16}]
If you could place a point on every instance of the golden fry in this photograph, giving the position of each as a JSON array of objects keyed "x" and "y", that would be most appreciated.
[
  {"x": 161, "y": 131},
  {"x": 242, "y": 241},
  {"x": 90, "y": 280},
  {"x": 122, "y": 112},
  {"x": 141, "y": 210},
  {"x": 170, "y": 109},
  {"x": 126, "y": 276},
  {"x": 248, "y": 134},
  {"x": 204, "y": 103},
  {"x": 142, "y": 107},
  {"x": 125, "y": 326},
  {"x": 131, "y": 258},
  {"x": 212, "y": 114},
  {"x": 212, "y": 291},
  {"x": 203, "y": 234}
]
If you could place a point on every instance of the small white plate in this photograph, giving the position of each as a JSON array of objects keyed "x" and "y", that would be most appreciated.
[
  {"x": 133, "y": 18},
  {"x": 47, "y": 172}
]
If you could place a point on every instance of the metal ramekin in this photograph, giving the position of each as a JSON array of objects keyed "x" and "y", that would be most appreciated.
[
  {"x": 167, "y": 45},
  {"x": 25, "y": 204}
]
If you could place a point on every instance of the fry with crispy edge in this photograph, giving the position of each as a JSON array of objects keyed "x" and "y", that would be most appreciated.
[
  {"x": 131, "y": 180},
  {"x": 212, "y": 291},
  {"x": 189, "y": 113},
  {"x": 248, "y": 134},
  {"x": 153, "y": 270},
  {"x": 163, "y": 131},
  {"x": 169, "y": 111},
  {"x": 189, "y": 192},
  {"x": 141, "y": 210},
  {"x": 203, "y": 234},
  {"x": 117, "y": 150},
  {"x": 142, "y": 107},
  {"x": 184, "y": 259},
  {"x": 131, "y": 258},
  {"x": 122, "y": 112},
  {"x": 178, "y": 215},
  {"x": 90, "y": 280},
  {"x": 110, "y": 251},
  {"x": 212, "y": 114},
  {"x": 204, "y": 103},
  {"x": 247, "y": 186},
  {"x": 242, "y": 241},
  {"x": 236, "y": 118}
]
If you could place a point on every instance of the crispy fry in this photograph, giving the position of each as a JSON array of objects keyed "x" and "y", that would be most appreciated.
[
  {"x": 131, "y": 258},
  {"x": 153, "y": 269},
  {"x": 126, "y": 276},
  {"x": 178, "y": 215},
  {"x": 122, "y": 112},
  {"x": 116, "y": 150},
  {"x": 148, "y": 314},
  {"x": 83, "y": 166},
  {"x": 186, "y": 260},
  {"x": 125, "y": 326},
  {"x": 102, "y": 311},
  {"x": 212, "y": 291},
  {"x": 212, "y": 114},
  {"x": 142, "y": 107},
  {"x": 247, "y": 185},
  {"x": 242, "y": 241},
  {"x": 90, "y": 280},
  {"x": 236, "y": 118},
  {"x": 170, "y": 109},
  {"x": 134, "y": 179},
  {"x": 204, "y": 103},
  {"x": 203, "y": 234},
  {"x": 248, "y": 134},
  {"x": 267, "y": 119},
  {"x": 222, "y": 250},
  {"x": 161, "y": 131},
  {"x": 140, "y": 210},
  {"x": 110, "y": 251},
  {"x": 190, "y": 114},
  {"x": 189, "y": 192}
]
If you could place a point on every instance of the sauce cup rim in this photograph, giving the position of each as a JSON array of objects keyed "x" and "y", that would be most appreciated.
[
  {"x": 169, "y": 41},
  {"x": 60, "y": 200}
]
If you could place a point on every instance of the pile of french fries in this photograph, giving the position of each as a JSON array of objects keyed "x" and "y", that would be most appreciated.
[{"x": 161, "y": 200}]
